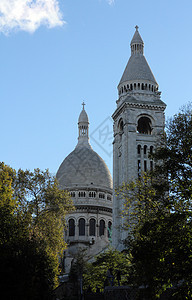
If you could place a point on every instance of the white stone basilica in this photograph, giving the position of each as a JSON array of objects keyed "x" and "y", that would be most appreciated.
[
  {"x": 86, "y": 176},
  {"x": 138, "y": 122}
]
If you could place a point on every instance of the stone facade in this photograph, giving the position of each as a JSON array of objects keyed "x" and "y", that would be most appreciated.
[
  {"x": 85, "y": 175},
  {"x": 138, "y": 123}
]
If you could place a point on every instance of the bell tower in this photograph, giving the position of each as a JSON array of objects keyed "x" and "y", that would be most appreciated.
[{"x": 138, "y": 122}]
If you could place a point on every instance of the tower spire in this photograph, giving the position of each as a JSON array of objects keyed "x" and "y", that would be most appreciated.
[
  {"x": 83, "y": 126},
  {"x": 137, "y": 77},
  {"x": 137, "y": 43}
]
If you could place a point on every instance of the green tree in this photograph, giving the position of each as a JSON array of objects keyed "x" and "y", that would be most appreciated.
[
  {"x": 158, "y": 208},
  {"x": 142, "y": 201},
  {"x": 161, "y": 255},
  {"x": 32, "y": 222},
  {"x": 95, "y": 277},
  {"x": 6, "y": 191},
  {"x": 39, "y": 195},
  {"x": 175, "y": 157},
  {"x": 159, "y": 239}
]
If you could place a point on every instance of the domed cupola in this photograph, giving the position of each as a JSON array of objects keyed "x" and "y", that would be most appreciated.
[
  {"x": 138, "y": 77},
  {"x": 88, "y": 180},
  {"x": 83, "y": 117},
  {"x": 83, "y": 167}
]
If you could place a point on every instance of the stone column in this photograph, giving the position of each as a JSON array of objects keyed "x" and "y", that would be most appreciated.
[
  {"x": 76, "y": 231},
  {"x": 142, "y": 158},
  {"x": 87, "y": 229}
]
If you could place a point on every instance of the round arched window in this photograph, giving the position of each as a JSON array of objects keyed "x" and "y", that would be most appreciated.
[
  {"x": 81, "y": 226},
  {"x": 101, "y": 227},
  {"x": 139, "y": 149},
  {"x": 71, "y": 227},
  {"x": 144, "y": 125},
  {"x": 92, "y": 225},
  {"x": 121, "y": 125},
  {"x": 109, "y": 229}
]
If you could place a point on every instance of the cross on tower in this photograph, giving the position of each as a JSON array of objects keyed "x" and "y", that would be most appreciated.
[
  {"x": 83, "y": 104},
  {"x": 136, "y": 27}
]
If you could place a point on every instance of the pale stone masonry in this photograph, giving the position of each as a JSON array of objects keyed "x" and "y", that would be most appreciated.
[
  {"x": 86, "y": 176},
  {"x": 138, "y": 122}
]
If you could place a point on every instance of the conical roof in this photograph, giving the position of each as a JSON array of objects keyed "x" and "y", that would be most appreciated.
[
  {"x": 137, "y": 67},
  {"x": 137, "y": 38}
]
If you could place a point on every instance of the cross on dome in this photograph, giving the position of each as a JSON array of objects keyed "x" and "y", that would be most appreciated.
[
  {"x": 136, "y": 27},
  {"x": 83, "y": 104}
]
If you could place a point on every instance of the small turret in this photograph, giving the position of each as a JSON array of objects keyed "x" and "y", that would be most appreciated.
[
  {"x": 137, "y": 43},
  {"x": 83, "y": 125}
]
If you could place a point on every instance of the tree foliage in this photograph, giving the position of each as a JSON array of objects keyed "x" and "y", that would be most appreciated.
[
  {"x": 175, "y": 157},
  {"x": 95, "y": 276},
  {"x": 32, "y": 222},
  {"x": 159, "y": 212},
  {"x": 142, "y": 201}
]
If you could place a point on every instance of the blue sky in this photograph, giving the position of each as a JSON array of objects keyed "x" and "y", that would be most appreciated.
[{"x": 56, "y": 54}]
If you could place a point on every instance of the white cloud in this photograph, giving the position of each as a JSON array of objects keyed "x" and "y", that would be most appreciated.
[
  {"x": 28, "y": 15},
  {"x": 111, "y": 1}
]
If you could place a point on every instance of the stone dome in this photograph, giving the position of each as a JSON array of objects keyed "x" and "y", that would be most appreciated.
[
  {"x": 83, "y": 117},
  {"x": 83, "y": 167}
]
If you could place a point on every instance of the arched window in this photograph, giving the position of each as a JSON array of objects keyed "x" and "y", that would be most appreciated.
[
  {"x": 145, "y": 166},
  {"x": 121, "y": 126},
  {"x": 139, "y": 167},
  {"x": 139, "y": 149},
  {"x": 109, "y": 229},
  {"x": 101, "y": 227},
  {"x": 81, "y": 226},
  {"x": 82, "y": 194},
  {"x": 151, "y": 149},
  {"x": 92, "y": 226},
  {"x": 92, "y": 194},
  {"x": 145, "y": 149},
  {"x": 144, "y": 125},
  {"x": 101, "y": 196},
  {"x": 71, "y": 227}
]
